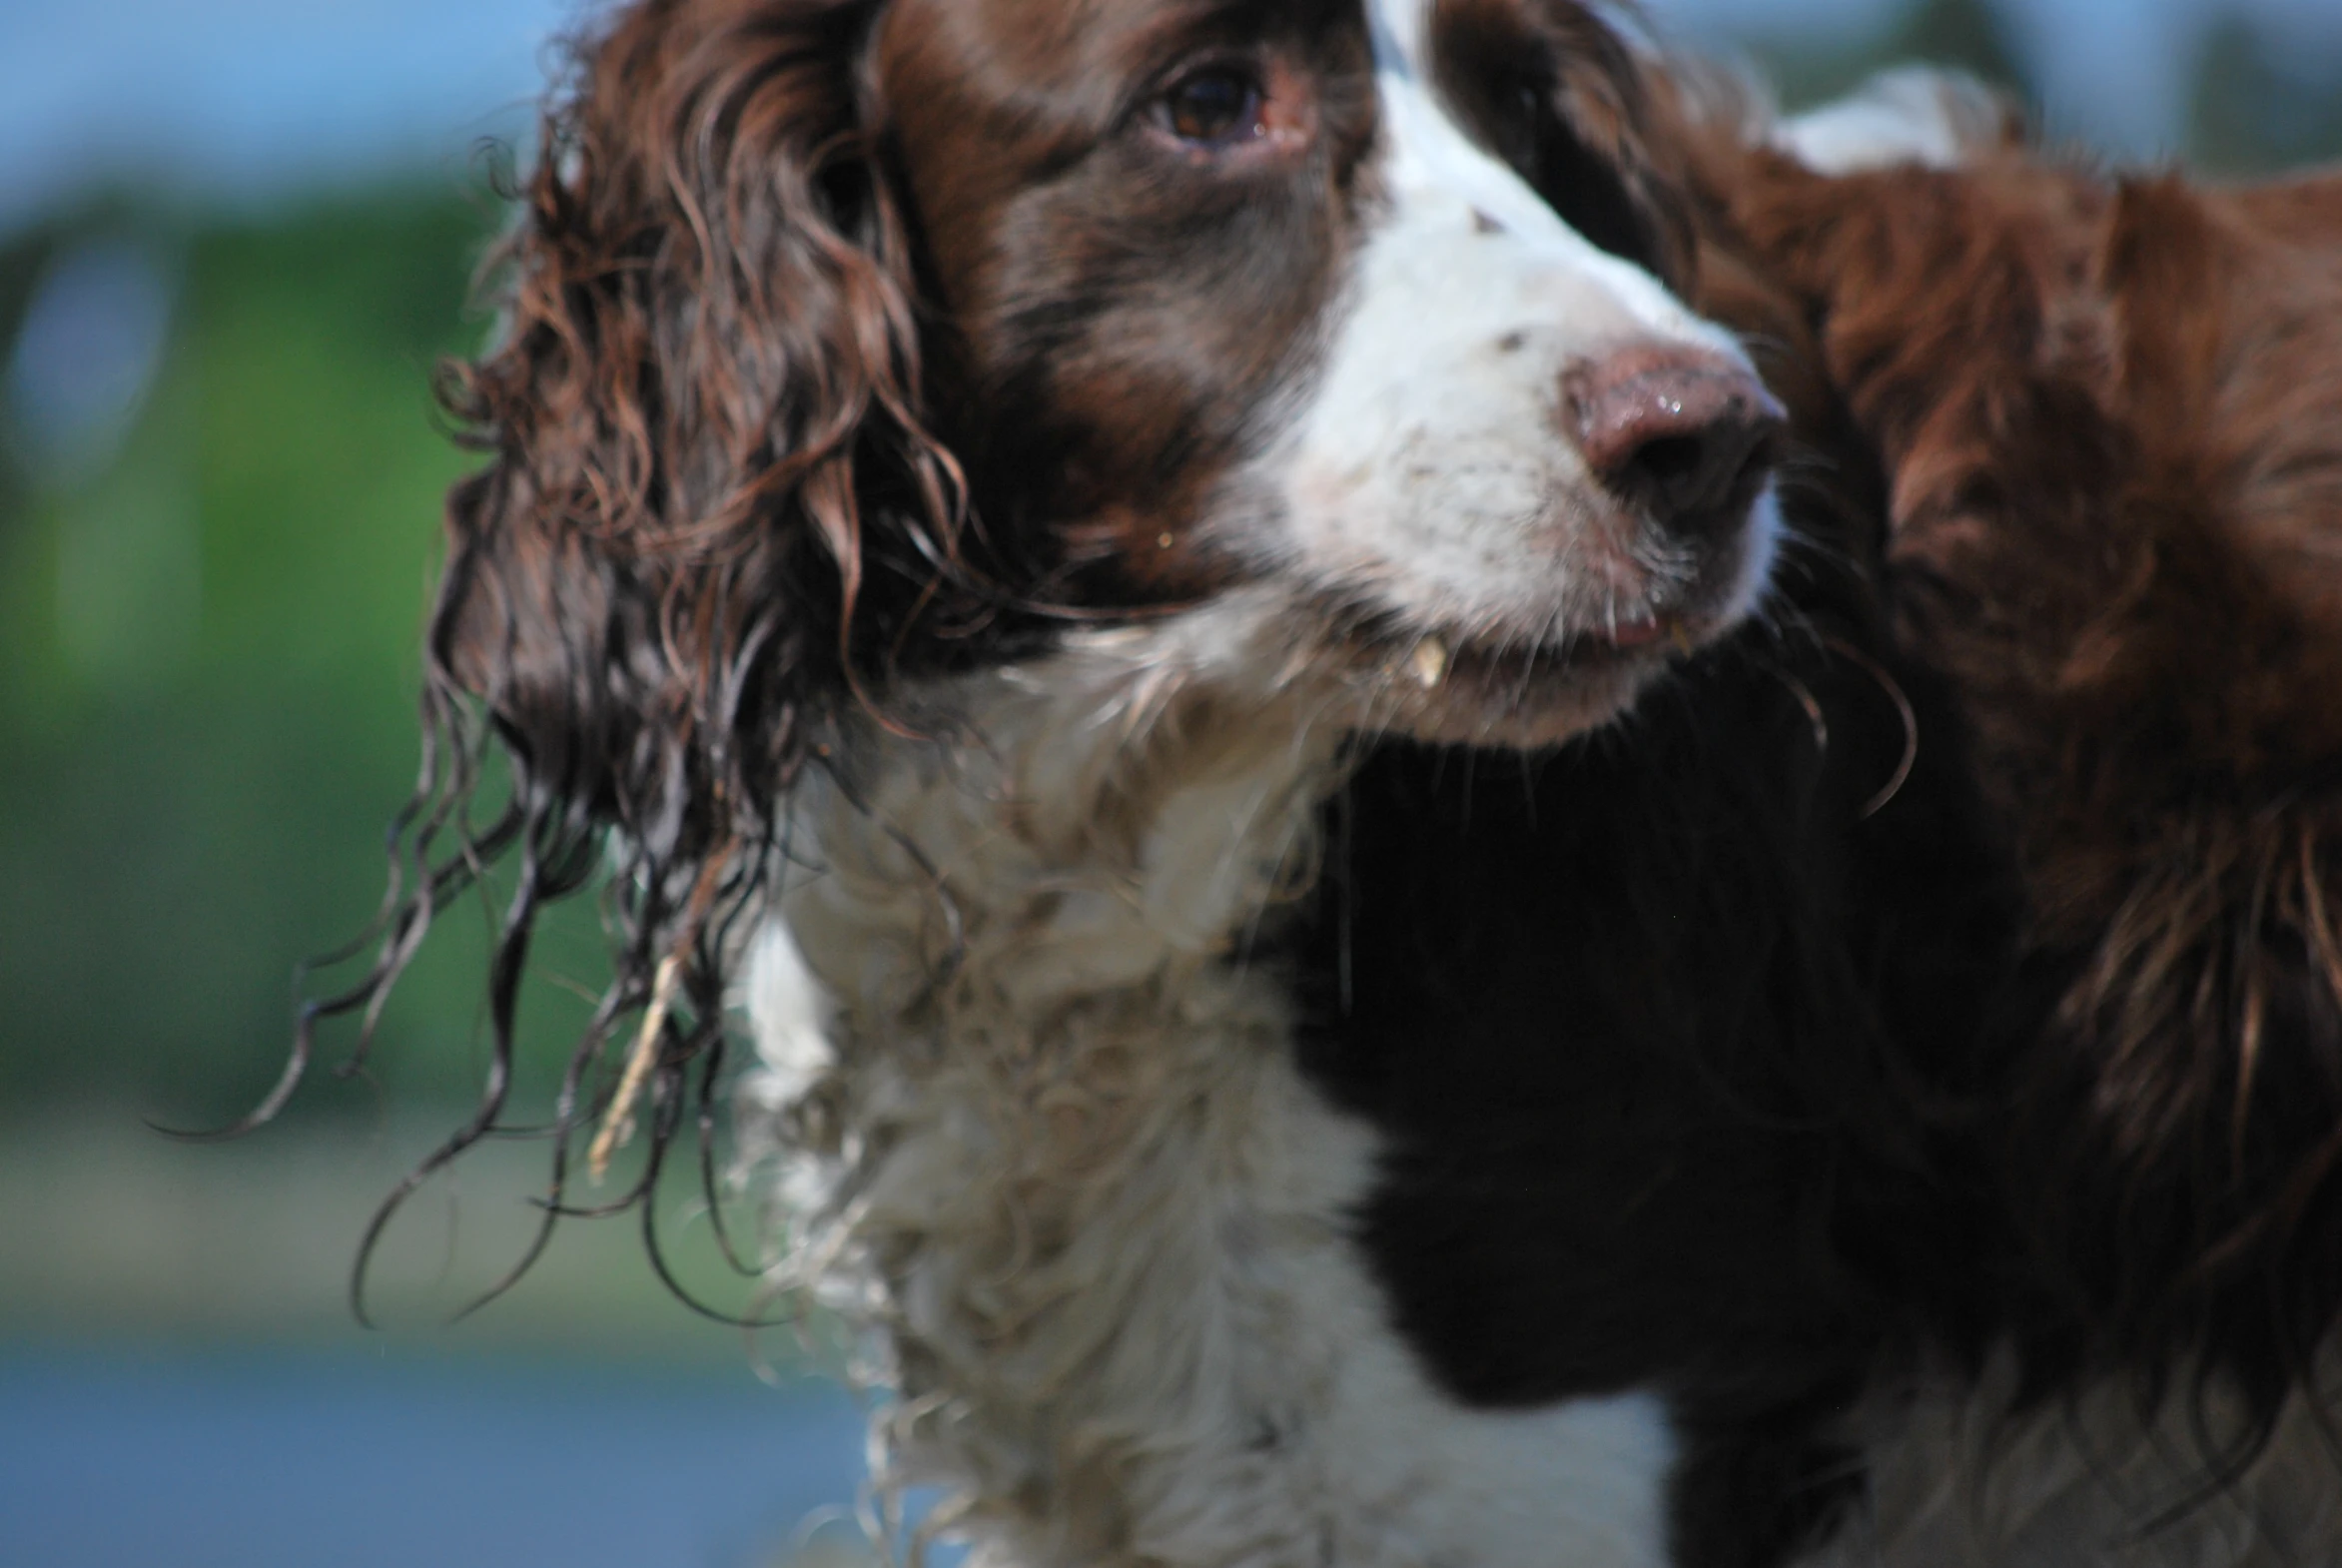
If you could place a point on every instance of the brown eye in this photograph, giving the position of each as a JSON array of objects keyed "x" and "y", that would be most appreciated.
[{"x": 1215, "y": 107}]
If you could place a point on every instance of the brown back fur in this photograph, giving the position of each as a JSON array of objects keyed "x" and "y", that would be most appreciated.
[{"x": 2109, "y": 412}]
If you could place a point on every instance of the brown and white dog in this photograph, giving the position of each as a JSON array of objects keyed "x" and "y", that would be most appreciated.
[{"x": 1055, "y": 547}]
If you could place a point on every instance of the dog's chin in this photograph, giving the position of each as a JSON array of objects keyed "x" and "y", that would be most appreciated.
[
  {"x": 1484, "y": 688},
  {"x": 1451, "y": 691},
  {"x": 1489, "y": 686},
  {"x": 1520, "y": 701}
]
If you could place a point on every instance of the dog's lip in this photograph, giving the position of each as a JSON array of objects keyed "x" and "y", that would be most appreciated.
[
  {"x": 1436, "y": 654},
  {"x": 1441, "y": 683},
  {"x": 1435, "y": 660},
  {"x": 1638, "y": 634}
]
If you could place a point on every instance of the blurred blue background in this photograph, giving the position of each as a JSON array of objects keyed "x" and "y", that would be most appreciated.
[{"x": 235, "y": 235}]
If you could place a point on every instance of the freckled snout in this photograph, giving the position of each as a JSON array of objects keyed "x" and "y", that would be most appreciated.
[{"x": 1685, "y": 435}]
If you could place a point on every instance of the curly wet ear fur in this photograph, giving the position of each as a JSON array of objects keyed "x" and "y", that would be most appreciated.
[
  {"x": 704, "y": 420},
  {"x": 711, "y": 504}
]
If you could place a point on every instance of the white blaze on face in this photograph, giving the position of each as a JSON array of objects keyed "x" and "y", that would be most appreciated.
[{"x": 1429, "y": 468}]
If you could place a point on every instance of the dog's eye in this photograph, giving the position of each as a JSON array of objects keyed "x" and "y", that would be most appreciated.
[{"x": 1217, "y": 106}]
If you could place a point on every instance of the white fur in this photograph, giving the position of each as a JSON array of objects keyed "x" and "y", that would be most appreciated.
[
  {"x": 1062, "y": 1164},
  {"x": 1429, "y": 465},
  {"x": 1915, "y": 114}
]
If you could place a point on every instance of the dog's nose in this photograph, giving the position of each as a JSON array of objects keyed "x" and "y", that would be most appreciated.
[{"x": 1685, "y": 433}]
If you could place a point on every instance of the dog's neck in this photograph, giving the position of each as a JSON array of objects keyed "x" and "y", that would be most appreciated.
[
  {"x": 1056, "y": 1155},
  {"x": 1112, "y": 817}
]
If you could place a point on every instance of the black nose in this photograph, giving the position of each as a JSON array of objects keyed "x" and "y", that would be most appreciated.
[{"x": 1686, "y": 434}]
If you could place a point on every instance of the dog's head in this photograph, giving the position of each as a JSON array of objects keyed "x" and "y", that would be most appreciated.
[
  {"x": 853, "y": 338},
  {"x": 849, "y": 342}
]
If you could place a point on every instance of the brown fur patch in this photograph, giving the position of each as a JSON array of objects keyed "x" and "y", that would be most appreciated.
[{"x": 2109, "y": 412}]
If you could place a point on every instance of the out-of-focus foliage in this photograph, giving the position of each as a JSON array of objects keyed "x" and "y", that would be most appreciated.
[{"x": 211, "y": 644}]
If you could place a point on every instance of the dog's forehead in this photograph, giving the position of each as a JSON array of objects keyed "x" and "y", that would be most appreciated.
[
  {"x": 1066, "y": 45},
  {"x": 1020, "y": 44}
]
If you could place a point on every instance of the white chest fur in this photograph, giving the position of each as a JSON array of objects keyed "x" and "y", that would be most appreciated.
[{"x": 1060, "y": 1158}]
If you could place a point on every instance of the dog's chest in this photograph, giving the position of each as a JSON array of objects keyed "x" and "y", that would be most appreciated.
[{"x": 1104, "y": 1224}]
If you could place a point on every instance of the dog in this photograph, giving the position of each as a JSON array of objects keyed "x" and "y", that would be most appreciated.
[
  {"x": 1169, "y": 597},
  {"x": 2103, "y": 415},
  {"x": 965, "y": 481}
]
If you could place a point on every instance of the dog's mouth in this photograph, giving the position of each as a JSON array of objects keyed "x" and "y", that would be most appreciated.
[
  {"x": 1440, "y": 661},
  {"x": 1450, "y": 685},
  {"x": 1446, "y": 688},
  {"x": 1630, "y": 595}
]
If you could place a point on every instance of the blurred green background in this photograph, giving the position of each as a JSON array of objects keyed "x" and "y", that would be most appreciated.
[
  {"x": 220, "y": 480},
  {"x": 215, "y": 549}
]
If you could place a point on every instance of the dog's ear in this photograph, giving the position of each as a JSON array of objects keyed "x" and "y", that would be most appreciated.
[
  {"x": 1623, "y": 162},
  {"x": 709, "y": 473},
  {"x": 1574, "y": 106},
  {"x": 710, "y": 505}
]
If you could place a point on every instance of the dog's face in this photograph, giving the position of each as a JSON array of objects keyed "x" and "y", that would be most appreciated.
[
  {"x": 850, "y": 343},
  {"x": 1351, "y": 319},
  {"x": 1361, "y": 307}
]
